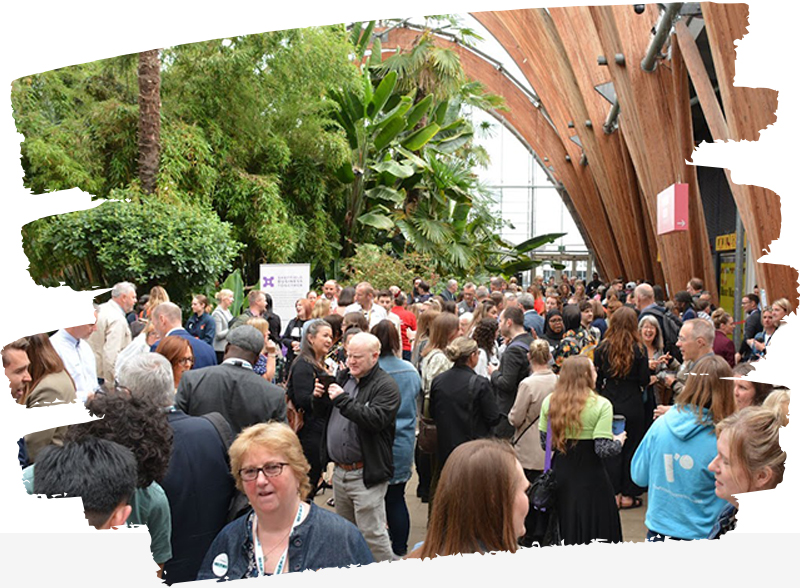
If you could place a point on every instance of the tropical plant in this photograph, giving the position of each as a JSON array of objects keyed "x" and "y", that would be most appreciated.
[{"x": 410, "y": 177}]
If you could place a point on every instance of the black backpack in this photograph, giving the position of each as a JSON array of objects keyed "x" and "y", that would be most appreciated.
[{"x": 672, "y": 328}]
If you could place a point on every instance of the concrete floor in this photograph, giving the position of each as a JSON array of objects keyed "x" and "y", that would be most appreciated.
[{"x": 633, "y": 529}]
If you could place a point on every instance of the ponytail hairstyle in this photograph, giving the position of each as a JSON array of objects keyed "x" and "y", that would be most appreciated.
[{"x": 753, "y": 438}]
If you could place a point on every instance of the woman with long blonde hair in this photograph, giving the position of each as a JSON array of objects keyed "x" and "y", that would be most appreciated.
[{"x": 578, "y": 420}]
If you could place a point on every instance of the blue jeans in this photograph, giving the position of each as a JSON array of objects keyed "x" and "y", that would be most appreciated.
[{"x": 397, "y": 518}]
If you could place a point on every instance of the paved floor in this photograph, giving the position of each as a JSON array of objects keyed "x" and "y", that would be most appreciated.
[{"x": 633, "y": 529}]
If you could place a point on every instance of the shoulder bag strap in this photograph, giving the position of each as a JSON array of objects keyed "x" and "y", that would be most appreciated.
[
  {"x": 548, "y": 452},
  {"x": 533, "y": 422}
]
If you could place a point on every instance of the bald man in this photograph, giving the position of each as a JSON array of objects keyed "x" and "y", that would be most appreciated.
[{"x": 360, "y": 410}]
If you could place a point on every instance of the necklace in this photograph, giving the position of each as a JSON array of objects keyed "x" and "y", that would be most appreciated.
[
  {"x": 261, "y": 556},
  {"x": 266, "y": 554}
]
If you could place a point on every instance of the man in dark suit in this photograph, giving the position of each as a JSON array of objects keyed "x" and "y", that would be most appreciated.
[
  {"x": 514, "y": 365},
  {"x": 199, "y": 460},
  {"x": 233, "y": 389},
  {"x": 167, "y": 321},
  {"x": 752, "y": 325}
]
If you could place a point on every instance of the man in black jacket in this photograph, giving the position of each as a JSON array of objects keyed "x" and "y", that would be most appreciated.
[
  {"x": 752, "y": 325},
  {"x": 360, "y": 410},
  {"x": 514, "y": 365},
  {"x": 233, "y": 389}
]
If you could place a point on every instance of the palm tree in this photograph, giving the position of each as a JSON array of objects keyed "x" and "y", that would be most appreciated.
[{"x": 149, "y": 118}]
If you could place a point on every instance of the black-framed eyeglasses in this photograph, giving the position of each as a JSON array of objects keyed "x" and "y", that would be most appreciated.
[{"x": 270, "y": 470}]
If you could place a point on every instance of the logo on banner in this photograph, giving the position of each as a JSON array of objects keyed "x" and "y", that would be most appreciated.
[{"x": 269, "y": 282}]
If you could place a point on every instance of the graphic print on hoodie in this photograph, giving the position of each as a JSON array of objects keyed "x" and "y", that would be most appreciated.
[{"x": 672, "y": 463}]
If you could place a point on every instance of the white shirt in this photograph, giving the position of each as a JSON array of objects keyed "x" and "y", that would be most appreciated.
[
  {"x": 79, "y": 360},
  {"x": 374, "y": 315}
]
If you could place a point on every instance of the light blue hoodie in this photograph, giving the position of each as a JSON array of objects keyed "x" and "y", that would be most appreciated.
[{"x": 672, "y": 463}]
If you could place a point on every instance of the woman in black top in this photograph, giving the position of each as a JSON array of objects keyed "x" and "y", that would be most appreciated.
[
  {"x": 463, "y": 404},
  {"x": 308, "y": 367},
  {"x": 623, "y": 372},
  {"x": 293, "y": 334}
]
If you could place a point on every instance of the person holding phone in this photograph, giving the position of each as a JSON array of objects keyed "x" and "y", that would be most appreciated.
[{"x": 307, "y": 368}]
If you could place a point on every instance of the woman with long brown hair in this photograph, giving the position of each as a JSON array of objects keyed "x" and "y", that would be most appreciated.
[
  {"x": 672, "y": 458},
  {"x": 424, "y": 322},
  {"x": 50, "y": 383},
  {"x": 578, "y": 420},
  {"x": 488, "y": 517},
  {"x": 623, "y": 373}
]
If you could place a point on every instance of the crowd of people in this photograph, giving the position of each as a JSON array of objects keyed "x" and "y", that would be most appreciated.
[{"x": 220, "y": 431}]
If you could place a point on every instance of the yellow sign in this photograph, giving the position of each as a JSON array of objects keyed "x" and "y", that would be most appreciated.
[
  {"x": 727, "y": 242},
  {"x": 727, "y": 286}
]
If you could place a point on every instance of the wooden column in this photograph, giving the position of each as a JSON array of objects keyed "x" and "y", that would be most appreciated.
[
  {"x": 747, "y": 112},
  {"x": 648, "y": 121}
]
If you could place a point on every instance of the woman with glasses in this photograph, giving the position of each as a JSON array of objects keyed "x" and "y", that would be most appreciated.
[
  {"x": 179, "y": 353},
  {"x": 282, "y": 533}
]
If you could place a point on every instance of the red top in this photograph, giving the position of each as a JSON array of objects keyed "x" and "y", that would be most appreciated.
[{"x": 407, "y": 321}]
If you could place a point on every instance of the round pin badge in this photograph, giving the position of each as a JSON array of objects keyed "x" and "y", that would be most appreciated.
[{"x": 220, "y": 565}]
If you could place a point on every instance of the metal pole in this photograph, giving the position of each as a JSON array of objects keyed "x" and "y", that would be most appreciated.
[
  {"x": 663, "y": 28},
  {"x": 738, "y": 285}
]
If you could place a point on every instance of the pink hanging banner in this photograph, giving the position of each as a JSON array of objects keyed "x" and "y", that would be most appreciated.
[{"x": 673, "y": 209}]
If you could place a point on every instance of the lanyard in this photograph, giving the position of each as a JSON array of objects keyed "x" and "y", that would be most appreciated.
[{"x": 259, "y": 553}]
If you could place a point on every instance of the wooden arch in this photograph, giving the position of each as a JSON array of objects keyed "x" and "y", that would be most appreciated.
[{"x": 614, "y": 196}]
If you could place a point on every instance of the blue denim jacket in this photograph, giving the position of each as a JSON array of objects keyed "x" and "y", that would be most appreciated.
[
  {"x": 323, "y": 540},
  {"x": 408, "y": 380}
]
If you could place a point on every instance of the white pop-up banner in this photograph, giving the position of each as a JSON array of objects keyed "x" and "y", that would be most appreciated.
[{"x": 286, "y": 283}]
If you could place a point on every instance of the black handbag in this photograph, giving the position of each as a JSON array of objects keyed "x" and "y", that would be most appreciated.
[{"x": 542, "y": 493}]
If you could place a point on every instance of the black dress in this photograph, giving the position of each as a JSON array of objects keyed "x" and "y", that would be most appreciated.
[
  {"x": 627, "y": 399},
  {"x": 585, "y": 500}
]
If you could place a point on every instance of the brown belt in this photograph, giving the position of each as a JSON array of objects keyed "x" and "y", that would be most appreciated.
[{"x": 349, "y": 467}]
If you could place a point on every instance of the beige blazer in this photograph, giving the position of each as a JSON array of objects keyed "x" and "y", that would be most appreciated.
[
  {"x": 527, "y": 406},
  {"x": 113, "y": 334},
  {"x": 54, "y": 388}
]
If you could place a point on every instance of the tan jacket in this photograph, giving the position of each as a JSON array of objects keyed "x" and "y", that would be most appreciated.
[
  {"x": 527, "y": 406},
  {"x": 113, "y": 334},
  {"x": 54, "y": 388}
]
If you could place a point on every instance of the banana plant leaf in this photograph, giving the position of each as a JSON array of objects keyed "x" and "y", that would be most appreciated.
[
  {"x": 378, "y": 221},
  {"x": 538, "y": 241},
  {"x": 389, "y": 132},
  {"x": 345, "y": 173},
  {"x": 420, "y": 109},
  {"x": 419, "y": 139},
  {"x": 386, "y": 193},
  {"x": 382, "y": 93},
  {"x": 394, "y": 168},
  {"x": 520, "y": 266}
]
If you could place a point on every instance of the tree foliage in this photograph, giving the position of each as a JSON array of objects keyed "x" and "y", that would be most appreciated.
[{"x": 183, "y": 248}]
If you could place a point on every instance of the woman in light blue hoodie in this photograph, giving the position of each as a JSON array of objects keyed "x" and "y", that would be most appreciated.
[{"x": 672, "y": 460}]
